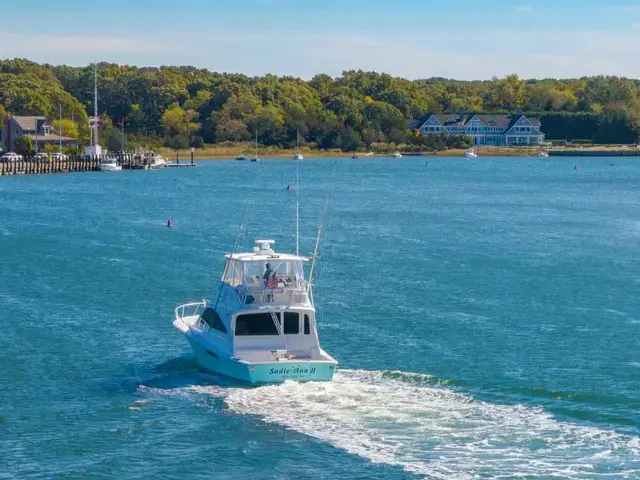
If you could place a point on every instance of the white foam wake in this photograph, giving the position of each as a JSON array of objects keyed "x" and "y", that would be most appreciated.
[{"x": 433, "y": 430}]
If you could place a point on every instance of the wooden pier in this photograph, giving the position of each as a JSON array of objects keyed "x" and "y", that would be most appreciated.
[{"x": 74, "y": 163}]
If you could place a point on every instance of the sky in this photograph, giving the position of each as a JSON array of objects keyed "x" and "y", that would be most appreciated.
[{"x": 462, "y": 39}]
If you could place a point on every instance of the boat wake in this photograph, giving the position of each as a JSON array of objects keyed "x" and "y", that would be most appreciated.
[{"x": 415, "y": 422}]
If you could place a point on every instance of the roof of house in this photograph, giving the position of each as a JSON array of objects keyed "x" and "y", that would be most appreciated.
[
  {"x": 497, "y": 120},
  {"x": 29, "y": 123},
  {"x": 458, "y": 120},
  {"x": 50, "y": 138},
  {"x": 451, "y": 119}
]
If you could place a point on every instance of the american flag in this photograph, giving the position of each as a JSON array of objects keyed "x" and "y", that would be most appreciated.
[{"x": 272, "y": 282}]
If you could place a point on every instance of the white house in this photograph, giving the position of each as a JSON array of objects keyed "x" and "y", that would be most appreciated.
[{"x": 492, "y": 130}]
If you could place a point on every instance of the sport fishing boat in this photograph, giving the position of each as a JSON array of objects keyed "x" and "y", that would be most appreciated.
[
  {"x": 260, "y": 327},
  {"x": 157, "y": 162},
  {"x": 397, "y": 155},
  {"x": 109, "y": 164}
]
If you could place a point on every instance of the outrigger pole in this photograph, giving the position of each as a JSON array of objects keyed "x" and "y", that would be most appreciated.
[{"x": 320, "y": 228}]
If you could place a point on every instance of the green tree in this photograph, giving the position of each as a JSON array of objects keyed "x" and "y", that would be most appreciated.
[
  {"x": 507, "y": 94},
  {"x": 177, "y": 142},
  {"x": 228, "y": 130},
  {"x": 114, "y": 139},
  {"x": 69, "y": 128},
  {"x": 24, "y": 146}
]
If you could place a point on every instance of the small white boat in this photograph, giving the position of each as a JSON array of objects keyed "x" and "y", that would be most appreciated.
[
  {"x": 157, "y": 162},
  {"x": 543, "y": 154},
  {"x": 242, "y": 156},
  {"x": 260, "y": 326},
  {"x": 397, "y": 155},
  {"x": 109, "y": 165},
  {"x": 471, "y": 153}
]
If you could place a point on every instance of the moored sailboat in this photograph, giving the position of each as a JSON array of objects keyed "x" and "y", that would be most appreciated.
[{"x": 298, "y": 155}]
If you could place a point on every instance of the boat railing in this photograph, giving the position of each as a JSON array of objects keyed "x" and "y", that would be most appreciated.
[{"x": 190, "y": 309}]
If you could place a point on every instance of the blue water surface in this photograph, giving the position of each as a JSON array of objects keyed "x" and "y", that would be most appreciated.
[{"x": 485, "y": 315}]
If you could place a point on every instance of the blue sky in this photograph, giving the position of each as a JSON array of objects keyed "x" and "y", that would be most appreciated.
[{"x": 463, "y": 39}]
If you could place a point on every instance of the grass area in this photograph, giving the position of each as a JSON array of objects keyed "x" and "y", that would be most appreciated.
[{"x": 211, "y": 151}]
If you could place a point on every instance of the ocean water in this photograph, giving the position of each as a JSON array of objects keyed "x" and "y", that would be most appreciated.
[{"x": 485, "y": 314}]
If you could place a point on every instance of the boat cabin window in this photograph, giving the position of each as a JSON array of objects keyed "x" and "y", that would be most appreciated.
[
  {"x": 255, "y": 324},
  {"x": 307, "y": 326},
  {"x": 287, "y": 272},
  {"x": 211, "y": 318},
  {"x": 291, "y": 323},
  {"x": 232, "y": 273}
]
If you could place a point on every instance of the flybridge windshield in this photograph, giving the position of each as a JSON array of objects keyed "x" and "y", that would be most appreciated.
[{"x": 258, "y": 271}]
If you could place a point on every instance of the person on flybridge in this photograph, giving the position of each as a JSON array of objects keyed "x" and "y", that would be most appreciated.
[{"x": 270, "y": 280}]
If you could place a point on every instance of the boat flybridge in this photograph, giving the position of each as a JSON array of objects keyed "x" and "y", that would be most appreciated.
[{"x": 260, "y": 327}]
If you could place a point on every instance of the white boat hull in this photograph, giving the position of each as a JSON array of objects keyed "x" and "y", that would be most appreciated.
[
  {"x": 110, "y": 168},
  {"x": 301, "y": 370}
]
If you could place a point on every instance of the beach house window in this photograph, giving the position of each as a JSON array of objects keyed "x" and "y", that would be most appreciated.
[
  {"x": 254, "y": 324},
  {"x": 211, "y": 318},
  {"x": 291, "y": 323}
]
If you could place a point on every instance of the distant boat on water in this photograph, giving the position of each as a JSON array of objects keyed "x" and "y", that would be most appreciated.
[
  {"x": 471, "y": 153},
  {"x": 108, "y": 164},
  {"x": 255, "y": 159},
  {"x": 298, "y": 155},
  {"x": 242, "y": 156},
  {"x": 354, "y": 156},
  {"x": 397, "y": 155},
  {"x": 157, "y": 162},
  {"x": 542, "y": 154}
]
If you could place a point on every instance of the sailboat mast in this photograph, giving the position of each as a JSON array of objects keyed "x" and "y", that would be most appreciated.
[
  {"x": 60, "y": 125},
  {"x": 94, "y": 128}
]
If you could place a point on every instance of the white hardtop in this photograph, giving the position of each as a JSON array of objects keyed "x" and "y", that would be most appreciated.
[{"x": 263, "y": 252}]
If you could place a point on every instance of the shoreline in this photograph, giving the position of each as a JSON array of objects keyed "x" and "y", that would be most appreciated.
[{"x": 225, "y": 154}]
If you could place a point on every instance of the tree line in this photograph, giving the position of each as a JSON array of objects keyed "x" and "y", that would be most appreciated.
[{"x": 186, "y": 106}]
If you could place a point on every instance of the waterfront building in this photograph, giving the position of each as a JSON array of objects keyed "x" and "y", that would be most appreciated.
[
  {"x": 490, "y": 130},
  {"x": 38, "y": 129}
]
